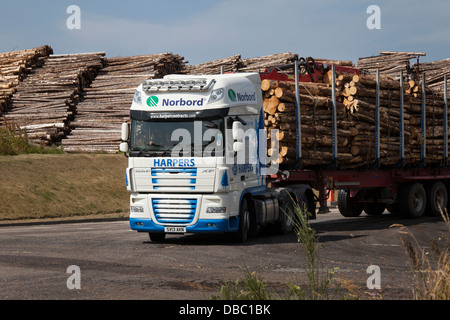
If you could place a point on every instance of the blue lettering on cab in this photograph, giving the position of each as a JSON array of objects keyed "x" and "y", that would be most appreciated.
[{"x": 173, "y": 162}]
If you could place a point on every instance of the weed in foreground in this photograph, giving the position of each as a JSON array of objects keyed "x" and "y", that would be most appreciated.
[
  {"x": 252, "y": 287},
  {"x": 430, "y": 268},
  {"x": 319, "y": 280},
  {"x": 319, "y": 284}
]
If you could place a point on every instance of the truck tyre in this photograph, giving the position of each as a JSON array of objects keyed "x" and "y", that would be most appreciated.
[
  {"x": 157, "y": 236},
  {"x": 347, "y": 206},
  {"x": 412, "y": 200},
  {"x": 374, "y": 209},
  {"x": 287, "y": 214},
  {"x": 240, "y": 236},
  {"x": 307, "y": 200},
  {"x": 437, "y": 198}
]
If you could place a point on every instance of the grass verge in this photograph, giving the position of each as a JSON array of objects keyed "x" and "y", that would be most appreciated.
[{"x": 39, "y": 186}]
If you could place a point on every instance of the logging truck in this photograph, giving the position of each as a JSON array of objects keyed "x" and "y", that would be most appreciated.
[{"x": 198, "y": 161}]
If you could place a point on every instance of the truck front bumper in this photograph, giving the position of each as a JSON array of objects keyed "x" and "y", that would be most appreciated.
[{"x": 201, "y": 226}]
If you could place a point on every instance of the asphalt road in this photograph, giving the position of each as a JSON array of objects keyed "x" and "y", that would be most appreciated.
[{"x": 117, "y": 263}]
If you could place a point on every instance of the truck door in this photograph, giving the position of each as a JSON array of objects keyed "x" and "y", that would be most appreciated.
[{"x": 244, "y": 146}]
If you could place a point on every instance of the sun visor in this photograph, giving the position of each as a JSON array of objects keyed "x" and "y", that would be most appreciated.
[{"x": 207, "y": 114}]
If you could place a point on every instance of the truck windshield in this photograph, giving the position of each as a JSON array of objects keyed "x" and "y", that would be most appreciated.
[{"x": 157, "y": 138}]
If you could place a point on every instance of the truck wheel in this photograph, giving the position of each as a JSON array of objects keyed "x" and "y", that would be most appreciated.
[
  {"x": 347, "y": 206},
  {"x": 157, "y": 236},
  {"x": 287, "y": 214},
  {"x": 240, "y": 236},
  {"x": 436, "y": 198},
  {"x": 308, "y": 202},
  {"x": 374, "y": 209},
  {"x": 412, "y": 200}
]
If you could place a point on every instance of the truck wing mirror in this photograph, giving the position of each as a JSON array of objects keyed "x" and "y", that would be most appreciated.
[
  {"x": 238, "y": 146},
  {"x": 123, "y": 147},
  {"x": 238, "y": 131},
  {"x": 125, "y": 131}
]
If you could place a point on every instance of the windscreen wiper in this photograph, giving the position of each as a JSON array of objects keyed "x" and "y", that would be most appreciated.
[{"x": 165, "y": 151}]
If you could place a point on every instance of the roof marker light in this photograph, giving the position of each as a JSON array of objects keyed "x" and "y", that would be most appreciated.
[{"x": 177, "y": 85}]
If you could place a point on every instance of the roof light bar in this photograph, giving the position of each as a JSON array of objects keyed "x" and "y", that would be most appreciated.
[{"x": 177, "y": 85}]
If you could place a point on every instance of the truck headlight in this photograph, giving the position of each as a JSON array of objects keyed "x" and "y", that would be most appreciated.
[
  {"x": 137, "y": 209},
  {"x": 137, "y": 97},
  {"x": 216, "y": 95},
  {"x": 216, "y": 210}
]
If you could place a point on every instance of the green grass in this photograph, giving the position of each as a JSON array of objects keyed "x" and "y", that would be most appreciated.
[
  {"x": 37, "y": 186},
  {"x": 14, "y": 141}
]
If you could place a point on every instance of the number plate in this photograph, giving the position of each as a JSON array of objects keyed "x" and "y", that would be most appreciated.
[{"x": 175, "y": 229}]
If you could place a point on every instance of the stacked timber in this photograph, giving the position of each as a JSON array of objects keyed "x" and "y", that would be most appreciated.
[
  {"x": 356, "y": 114},
  {"x": 14, "y": 66},
  {"x": 361, "y": 92},
  {"x": 226, "y": 65},
  {"x": 259, "y": 64},
  {"x": 235, "y": 64},
  {"x": 316, "y": 122},
  {"x": 45, "y": 101},
  {"x": 434, "y": 72},
  {"x": 342, "y": 63},
  {"x": 106, "y": 104},
  {"x": 389, "y": 63}
]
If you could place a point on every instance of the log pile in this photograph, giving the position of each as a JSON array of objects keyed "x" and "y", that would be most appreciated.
[
  {"x": 14, "y": 66},
  {"x": 359, "y": 98},
  {"x": 316, "y": 103},
  {"x": 235, "y": 64},
  {"x": 356, "y": 97},
  {"x": 389, "y": 63},
  {"x": 45, "y": 101},
  {"x": 106, "y": 105},
  {"x": 227, "y": 65},
  {"x": 343, "y": 63},
  {"x": 435, "y": 72},
  {"x": 260, "y": 63}
]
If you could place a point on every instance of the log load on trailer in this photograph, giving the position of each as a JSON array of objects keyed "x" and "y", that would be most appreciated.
[
  {"x": 382, "y": 142},
  {"x": 229, "y": 152}
]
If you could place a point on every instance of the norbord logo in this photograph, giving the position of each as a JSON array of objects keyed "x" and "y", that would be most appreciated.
[
  {"x": 241, "y": 96},
  {"x": 153, "y": 101}
]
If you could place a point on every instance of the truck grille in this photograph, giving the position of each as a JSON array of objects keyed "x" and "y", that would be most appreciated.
[
  {"x": 174, "y": 211},
  {"x": 170, "y": 178}
]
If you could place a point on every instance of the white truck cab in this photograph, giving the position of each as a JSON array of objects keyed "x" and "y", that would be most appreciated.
[{"x": 196, "y": 148}]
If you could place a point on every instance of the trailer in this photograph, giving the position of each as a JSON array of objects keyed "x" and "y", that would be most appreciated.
[
  {"x": 409, "y": 189},
  {"x": 198, "y": 161}
]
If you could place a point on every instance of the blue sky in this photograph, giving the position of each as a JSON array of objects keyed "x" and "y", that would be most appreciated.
[{"x": 206, "y": 30}]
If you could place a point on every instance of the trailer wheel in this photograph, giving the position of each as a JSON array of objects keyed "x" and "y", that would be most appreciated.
[
  {"x": 240, "y": 236},
  {"x": 347, "y": 206},
  {"x": 374, "y": 209},
  {"x": 412, "y": 200},
  {"x": 157, "y": 236},
  {"x": 436, "y": 198}
]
